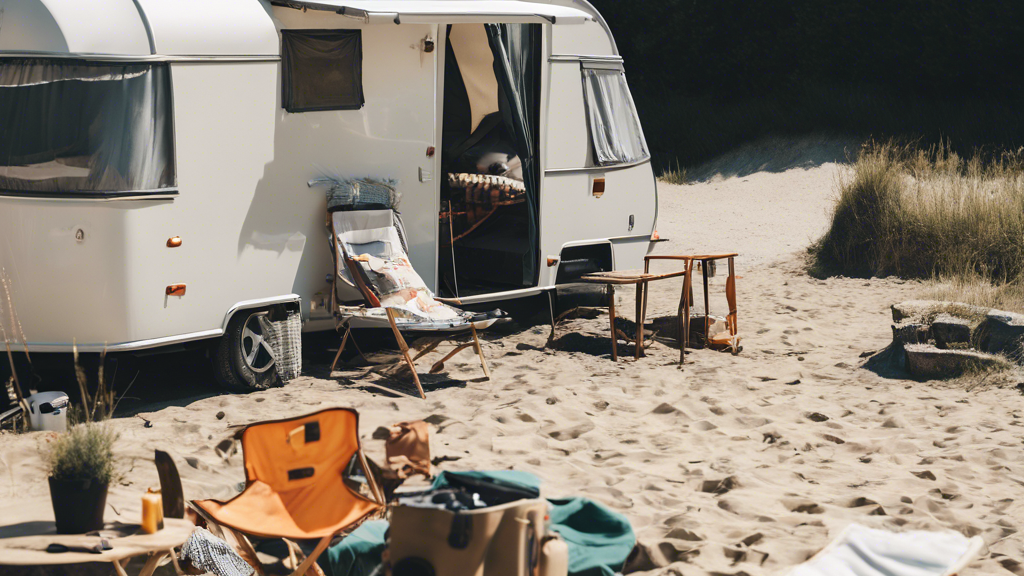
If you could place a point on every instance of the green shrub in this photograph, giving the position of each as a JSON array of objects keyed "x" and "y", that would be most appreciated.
[
  {"x": 86, "y": 452},
  {"x": 924, "y": 213}
]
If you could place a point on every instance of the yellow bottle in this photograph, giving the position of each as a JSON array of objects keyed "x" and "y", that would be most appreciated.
[{"x": 152, "y": 511}]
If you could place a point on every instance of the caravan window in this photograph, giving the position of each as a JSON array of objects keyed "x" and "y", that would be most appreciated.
[
  {"x": 71, "y": 127},
  {"x": 323, "y": 70},
  {"x": 615, "y": 132}
]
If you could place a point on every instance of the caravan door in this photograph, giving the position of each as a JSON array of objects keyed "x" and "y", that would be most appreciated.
[{"x": 390, "y": 135}]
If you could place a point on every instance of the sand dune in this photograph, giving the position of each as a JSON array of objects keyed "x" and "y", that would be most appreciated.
[{"x": 741, "y": 464}]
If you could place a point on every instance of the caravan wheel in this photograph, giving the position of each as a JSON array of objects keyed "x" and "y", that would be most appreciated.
[{"x": 244, "y": 359}]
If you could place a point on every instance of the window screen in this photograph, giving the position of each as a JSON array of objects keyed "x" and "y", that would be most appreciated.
[
  {"x": 323, "y": 70},
  {"x": 73, "y": 127},
  {"x": 615, "y": 131}
]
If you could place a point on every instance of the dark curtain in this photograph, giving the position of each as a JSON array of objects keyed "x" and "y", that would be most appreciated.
[
  {"x": 323, "y": 70},
  {"x": 69, "y": 126},
  {"x": 516, "y": 49}
]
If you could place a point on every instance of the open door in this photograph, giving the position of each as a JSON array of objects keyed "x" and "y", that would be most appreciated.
[{"x": 488, "y": 233}]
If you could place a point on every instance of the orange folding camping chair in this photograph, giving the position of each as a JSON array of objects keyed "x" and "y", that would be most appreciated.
[{"x": 295, "y": 487}]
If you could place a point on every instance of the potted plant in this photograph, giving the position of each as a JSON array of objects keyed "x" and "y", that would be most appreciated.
[{"x": 81, "y": 466}]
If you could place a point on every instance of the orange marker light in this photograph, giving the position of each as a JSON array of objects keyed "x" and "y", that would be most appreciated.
[
  {"x": 174, "y": 242},
  {"x": 176, "y": 290}
]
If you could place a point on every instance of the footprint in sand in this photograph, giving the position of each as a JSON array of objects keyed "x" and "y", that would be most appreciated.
[
  {"x": 719, "y": 486},
  {"x": 571, "y": 432},
  {"x": 803, "y": 506}
]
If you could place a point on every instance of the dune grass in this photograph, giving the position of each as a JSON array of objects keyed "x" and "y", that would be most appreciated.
[
  {"x": 674, "y": 175},
  {"x": 1008, "y": 296},
  {"x": 930, "y": 213}
]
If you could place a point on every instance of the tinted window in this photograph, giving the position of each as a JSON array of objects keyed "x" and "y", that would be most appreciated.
[
  {"x": 323, "y": 70},
  {"x": 615, "y": 131},
  {"x": 75, "y": 127}
]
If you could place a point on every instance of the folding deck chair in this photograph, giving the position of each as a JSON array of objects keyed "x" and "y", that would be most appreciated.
[
  {"x": 372, "y": 269},
  {"x": 295, "y": 485}
]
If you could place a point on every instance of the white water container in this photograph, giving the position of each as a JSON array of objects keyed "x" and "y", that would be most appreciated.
[{"x": 48, "y": 411}]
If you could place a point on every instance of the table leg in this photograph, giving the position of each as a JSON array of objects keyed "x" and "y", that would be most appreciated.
[
  {"x": 639, "y": 322},
  {"x": 730, "y": 294},
  {"x": 153, "y": 563},
  {"x": 119, "y": 567},
  {"x": 686, "y": 297},
  {"x": 682, "y": 323},
  {"x": 611, "y": 315},
  {"x": 707, "y": 306},
  {"x": 643, "y": 315}
]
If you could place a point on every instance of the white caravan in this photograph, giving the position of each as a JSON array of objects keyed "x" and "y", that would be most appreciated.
[{"x": 155, "y": 157}]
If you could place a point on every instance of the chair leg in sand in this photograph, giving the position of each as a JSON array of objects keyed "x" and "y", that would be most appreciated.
[
  {"x": 405, "y": 351},
  {"x": 344, "y": 340},
  {"x": 480, "y": 353}
]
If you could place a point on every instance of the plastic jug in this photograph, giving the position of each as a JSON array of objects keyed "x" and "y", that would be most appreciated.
[
  {"x": 554, "y": 557},
  {"x": 48, "y": 411}
]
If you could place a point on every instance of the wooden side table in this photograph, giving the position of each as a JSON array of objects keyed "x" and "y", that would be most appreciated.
[
  {"x": 641, "y": 279},
  {"x": 25, "y": 545},
  {"x": 686, "y": 298},
  {"x": 627, "y": 277}
]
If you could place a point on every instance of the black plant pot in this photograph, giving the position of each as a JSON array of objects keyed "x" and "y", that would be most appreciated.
[{"x": 78, "y": 505}]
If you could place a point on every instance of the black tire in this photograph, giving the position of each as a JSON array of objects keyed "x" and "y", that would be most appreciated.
[{"x": 236, "y": 367}]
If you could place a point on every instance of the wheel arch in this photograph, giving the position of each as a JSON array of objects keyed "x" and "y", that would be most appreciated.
[{"x": 285, "y": 302}]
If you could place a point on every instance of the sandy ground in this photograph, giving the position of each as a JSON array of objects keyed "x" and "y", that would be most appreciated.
[{"x": 733, "y": 465}]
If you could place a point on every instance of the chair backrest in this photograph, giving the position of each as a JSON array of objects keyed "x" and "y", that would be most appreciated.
[
  {"x": 371, "y": 261},
  {"x": 302, "y": 460},
  {"x": 349, "y": 231},
  {"x": 170, "y": 485}
]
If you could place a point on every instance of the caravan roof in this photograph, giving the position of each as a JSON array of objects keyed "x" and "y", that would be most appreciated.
[
  {"x": 134, "y": 29},
  {"x": 446, "y": 11}
]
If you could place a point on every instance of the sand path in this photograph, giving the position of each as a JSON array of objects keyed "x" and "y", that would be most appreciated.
[{"x": 735, "y": 465}]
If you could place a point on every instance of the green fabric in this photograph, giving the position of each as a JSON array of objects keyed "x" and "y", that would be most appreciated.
[
  {"x": 516, "y": 478},
  {"x": 598, "y": 539},
  {"x": 359, "y": 553}
]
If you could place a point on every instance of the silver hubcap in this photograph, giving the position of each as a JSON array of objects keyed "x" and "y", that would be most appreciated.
[{"x": 256, "y": 351}]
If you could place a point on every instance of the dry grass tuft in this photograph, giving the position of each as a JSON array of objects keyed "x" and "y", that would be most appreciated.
[
  {"x": 1008, "y": 296},
  {"x": 677, "y": 175},
  {"x": 928, "y": 213}
]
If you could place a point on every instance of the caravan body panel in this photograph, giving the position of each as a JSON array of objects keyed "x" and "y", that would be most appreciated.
[{"x": 95, "y": 271}]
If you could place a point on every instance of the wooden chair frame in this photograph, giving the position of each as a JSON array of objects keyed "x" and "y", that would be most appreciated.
[{"x": 371, "y": 299}]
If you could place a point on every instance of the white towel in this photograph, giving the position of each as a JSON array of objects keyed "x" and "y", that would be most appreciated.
[{"x": 862, "y": 551}]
